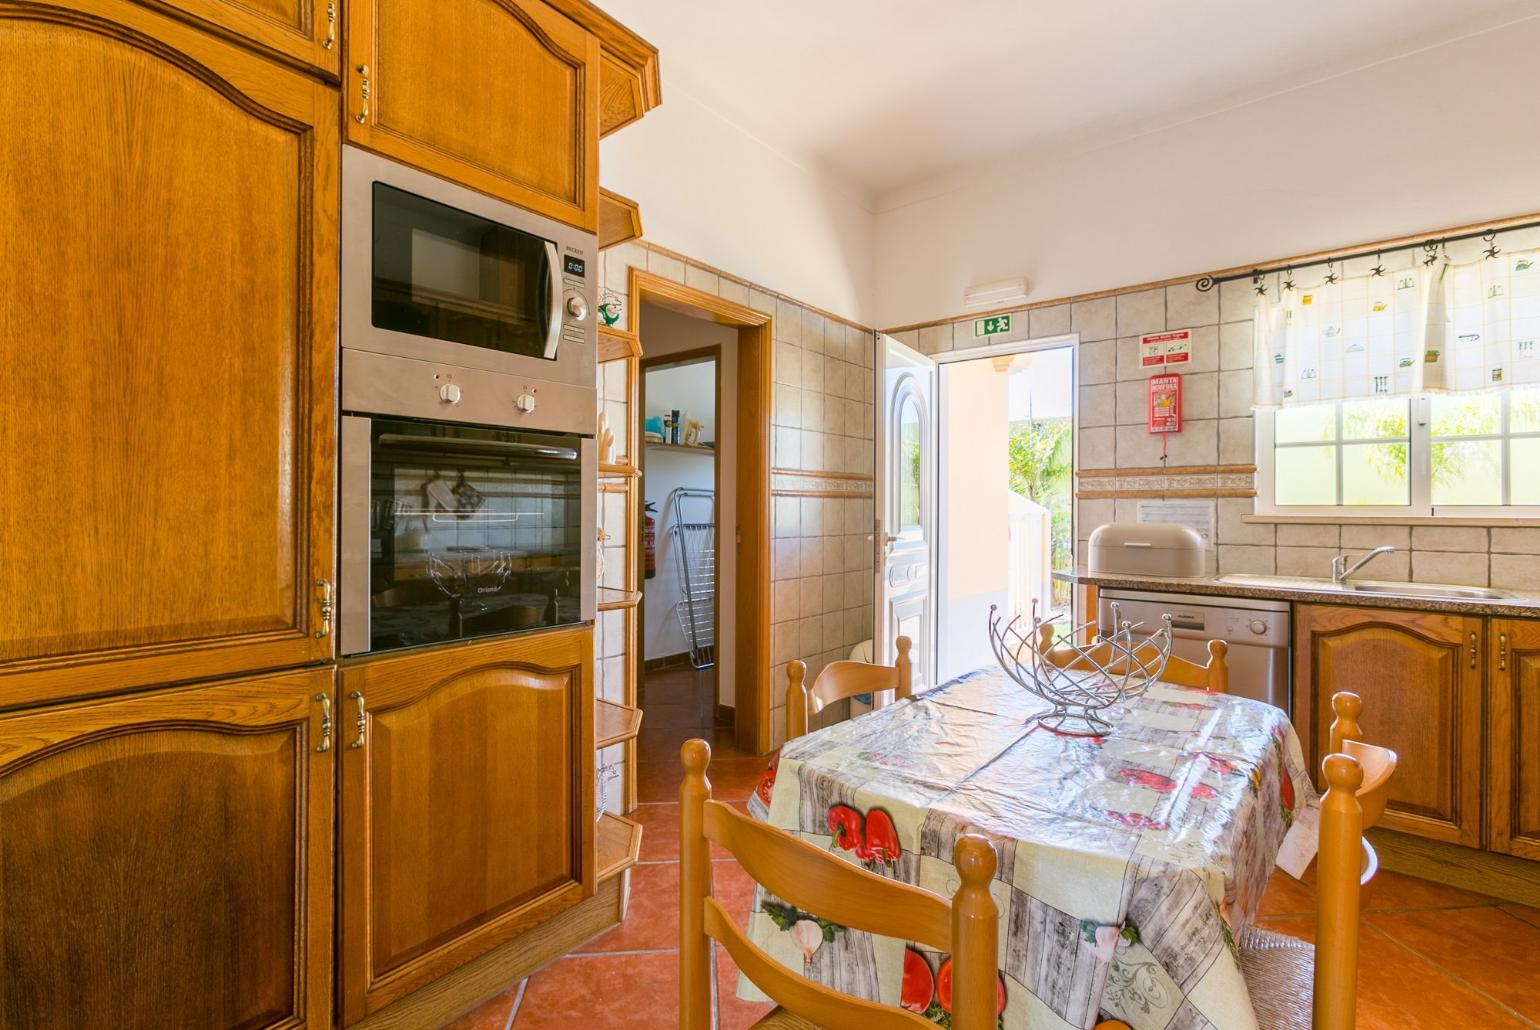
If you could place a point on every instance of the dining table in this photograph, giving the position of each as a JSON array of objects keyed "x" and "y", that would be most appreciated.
[{"x": 1129, "y": 862}]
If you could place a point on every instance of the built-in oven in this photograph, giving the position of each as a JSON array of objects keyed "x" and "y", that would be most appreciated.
[{"x": 436, "y": 272}]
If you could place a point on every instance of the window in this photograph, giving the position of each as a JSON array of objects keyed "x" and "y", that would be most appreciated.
[{"x": 1444, "y": 454}]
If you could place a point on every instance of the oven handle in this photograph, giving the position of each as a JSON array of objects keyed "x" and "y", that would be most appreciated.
[
  {"x": 553, "y": 309},
  {"x": 443, "y": 443}
]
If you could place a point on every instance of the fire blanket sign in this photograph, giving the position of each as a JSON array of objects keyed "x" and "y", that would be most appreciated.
[
  {"x": 1166, "y": 403},
  {"x": 1159, "y": 349}
]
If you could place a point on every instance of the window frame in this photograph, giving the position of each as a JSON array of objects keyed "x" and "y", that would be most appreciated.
[{"x": 1419, "y": 471}]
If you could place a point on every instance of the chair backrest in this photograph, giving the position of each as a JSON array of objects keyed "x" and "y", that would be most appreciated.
[
  {"x": 841, "y": 680},
  {"x": 817, "y": 881},
  {"x": 1213, "y": 677},
  {"x": 1357, "y": 783}
]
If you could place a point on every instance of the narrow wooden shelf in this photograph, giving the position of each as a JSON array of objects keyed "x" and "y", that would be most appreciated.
[
  {"x": 618, "y": 344},
  {"x": 615, "y": 724},
  {"x": 619, "y": 219},
  {"x": 618, "y": 842},
  {"x": 611, "y": 598},
  {"x": 618, "y": 470},
  {"x": 653, "y": 445}
]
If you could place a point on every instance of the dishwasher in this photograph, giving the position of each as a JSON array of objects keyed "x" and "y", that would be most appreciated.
[{"x": 1256, "y": 630}]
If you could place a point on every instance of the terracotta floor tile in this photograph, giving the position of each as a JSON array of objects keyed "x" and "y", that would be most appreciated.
[
  {"x": 490, "y": 1015},
  {"x": 733, "y": 890},
  {"x": 658, "y": 781},
  {"x": 660, "y": 831},
  {"x": 1390, "y": 891},
  {"x": 1527, "y": 913},
  {"x": 1482, "y": 946},
  {"x": 661, "y": 743},
  {"x": 734, "y": 779},
  {"x": 1285, "y": 896},
  {"x": 732, "y": 1012},
  {"x": 652, "y": 918},
  {"x": 639, "y": 992}
]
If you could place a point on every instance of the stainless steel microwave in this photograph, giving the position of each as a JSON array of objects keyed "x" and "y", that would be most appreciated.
[{"x": 436, "y": 272}]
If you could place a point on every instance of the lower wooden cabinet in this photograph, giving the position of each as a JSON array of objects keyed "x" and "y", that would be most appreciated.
[
  {"x": 467, "y": 807},
  {"x": 1420, "y": 675},
  {"x": 1513, "y": 737},
  {"x": 166, "y": 859}
]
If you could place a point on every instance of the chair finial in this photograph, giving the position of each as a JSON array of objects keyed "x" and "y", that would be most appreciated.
[
  {"x": 974, "y": 857},
  {"x": 1342, "y": 772},
  {"x": 1347, "y": 705},
  {"x": 1218, "y": 649},
  {"x": 903, "y": 644},
  {"x": 696, "y": 755},
  {"x": 796, "y": 671}
]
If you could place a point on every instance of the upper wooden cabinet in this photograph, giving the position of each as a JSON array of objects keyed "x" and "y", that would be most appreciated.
[
  {"x": 168, "y": 234},
  {"x": 498, "y": 95},
  {"x": 168, "y": 859},
  {"x": 1513, "y": 737},
  {"x": 467, "y": 805},
  {"x": 1420, "y": 675},
  {"x": 306, "y": 32}
]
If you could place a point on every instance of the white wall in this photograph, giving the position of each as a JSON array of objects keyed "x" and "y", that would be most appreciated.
[
  {"x": 710, "y": 190},
  {"x": 1438, "y": 138}
]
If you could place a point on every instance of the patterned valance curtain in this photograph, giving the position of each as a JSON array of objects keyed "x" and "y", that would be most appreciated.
[{"x": 1442, "y": 328}]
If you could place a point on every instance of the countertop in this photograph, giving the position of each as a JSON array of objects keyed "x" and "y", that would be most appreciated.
[{"x": 1315, "y": 592}]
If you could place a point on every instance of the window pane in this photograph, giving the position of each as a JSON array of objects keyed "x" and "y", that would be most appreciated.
[
  {"x": 1467, "y": 472},
  {"x": 1374, "y": 420},
  {"x": 1305, "y": 475},
  {"x": 1523, "y": 413},
  {"x": 1375, "y": 473},
  {"x": 910, "y": 482},
  {"x": 1481, "y": 415},
  {"x": 1524, "y": 459},
  {"x": 1305, "y": 424}
]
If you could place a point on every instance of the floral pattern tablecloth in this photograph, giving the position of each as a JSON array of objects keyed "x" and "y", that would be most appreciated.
[{"x": 1129, "y": 864}]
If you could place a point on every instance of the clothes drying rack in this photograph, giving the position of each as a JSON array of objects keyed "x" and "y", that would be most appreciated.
[{"x": 694, "y": 532}]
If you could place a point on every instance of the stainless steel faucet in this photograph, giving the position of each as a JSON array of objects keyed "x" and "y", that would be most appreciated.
[{"x": 1341, "y": 570}]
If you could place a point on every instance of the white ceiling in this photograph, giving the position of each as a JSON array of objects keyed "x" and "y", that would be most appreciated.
[{"x": 883, "y": 95}]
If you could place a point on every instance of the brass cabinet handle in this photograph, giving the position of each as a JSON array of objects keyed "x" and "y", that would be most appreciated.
[
  {"x": 323, "y": 591},
  {"x": 363, "y": 116},
  {"x": 1502, "y": 652},
  {"x": 361, "y": 724},
  {"x": 1473, "y": 650},
  {"x": 326, "y": 723},
  {"x": 331, "y": 26}
]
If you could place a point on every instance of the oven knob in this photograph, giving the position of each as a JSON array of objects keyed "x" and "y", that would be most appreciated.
[
  {"x": 1258, "y": 627},
  {"x": 525, "y": 403},
  {"x": 577, "y": 307},
  {"x": 449, "y": 393}
]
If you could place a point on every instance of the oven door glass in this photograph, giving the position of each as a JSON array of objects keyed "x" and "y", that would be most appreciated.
[
  {"x": 473, "y": 532},
  {"x": 449, "y": 274}
]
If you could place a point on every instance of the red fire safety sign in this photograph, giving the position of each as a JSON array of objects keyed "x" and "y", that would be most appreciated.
[{"x": 1166, "y": 403}]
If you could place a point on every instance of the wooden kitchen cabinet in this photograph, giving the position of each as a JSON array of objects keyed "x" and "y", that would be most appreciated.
[
  {"x": 167, "y": 859},
  {"x": 498, "y": 95},
  {"x": 467, "y": 805},
  {"x": 1513, "y": 737},
  {"x": 168, "y": 231},
  {"x": 304, "y": 32},
  {"x": 1420, "y": 675}
]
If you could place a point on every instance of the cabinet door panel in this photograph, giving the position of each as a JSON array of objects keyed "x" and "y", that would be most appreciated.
[
  {"x": 1420, "y": 677},
  {"x": 167, "y": 225},
  {"x": 166, "y": 860},
  {"x": 1513, "y": 736},
  {"x": 520, "y": 122},
  {"x": 467, "y": 815},
  {"x": 307, "y": 32}
]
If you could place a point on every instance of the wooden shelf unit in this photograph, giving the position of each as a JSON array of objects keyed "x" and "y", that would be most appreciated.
[
  {"x": 654, "y": 445},
  {"x": 613, "y": 599},
  {"x": 618, "y": 841},
  {"x": 615, "y": 724},
  {"x": 618, "y": 470}
]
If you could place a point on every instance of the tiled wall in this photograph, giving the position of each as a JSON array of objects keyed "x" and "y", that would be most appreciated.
[
  {"x": 1219, "y": 430},
  {"x": 821, "y": 590}
]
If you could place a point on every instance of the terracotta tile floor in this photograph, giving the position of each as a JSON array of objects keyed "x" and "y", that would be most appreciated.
[{"x": 1431, "y": 956}]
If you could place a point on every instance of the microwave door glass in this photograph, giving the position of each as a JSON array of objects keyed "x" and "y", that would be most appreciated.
[
  {"x": 473, "y": 532},
  {"x": 452, "y": 275}
]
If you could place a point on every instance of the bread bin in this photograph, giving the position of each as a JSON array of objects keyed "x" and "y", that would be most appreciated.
[{"x": 1146, "y": 549}]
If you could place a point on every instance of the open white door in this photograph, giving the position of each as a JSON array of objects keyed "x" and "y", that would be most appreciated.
[{"x": 905, "y": 493}]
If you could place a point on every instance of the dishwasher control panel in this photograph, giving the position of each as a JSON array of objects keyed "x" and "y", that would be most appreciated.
[{"x": 1193, "y": 617}]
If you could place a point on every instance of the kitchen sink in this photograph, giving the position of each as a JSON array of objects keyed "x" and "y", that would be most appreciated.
[{"x": 1373, "y": 586}]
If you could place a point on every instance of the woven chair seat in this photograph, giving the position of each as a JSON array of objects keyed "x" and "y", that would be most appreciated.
[
  {"x": 1280, "y": 977},
  {"x": 780, "y": 1019}
]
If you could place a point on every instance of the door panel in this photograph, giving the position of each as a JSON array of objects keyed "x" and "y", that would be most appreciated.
[
  {"x": 520, "y": 121},
  {"x": 906, "y": 505},
  {"x": 306, "y": 31},
  {"x": 1513, "y": 738},
  {"x": 467, "y": 811},
  {"x": 166, "y": 859},
  {"x": 1420, "y": 677},
  {"x": 170, "y": 248}
]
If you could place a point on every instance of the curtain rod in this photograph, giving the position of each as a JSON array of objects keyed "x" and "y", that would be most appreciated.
[{"x": 1208, "y": 282}]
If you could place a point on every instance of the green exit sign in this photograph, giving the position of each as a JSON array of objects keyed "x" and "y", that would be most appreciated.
[{"x": 991, "y": 326}]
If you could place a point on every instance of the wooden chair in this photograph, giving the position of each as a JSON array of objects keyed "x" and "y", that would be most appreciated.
[
  {"x": 815, "y": 880},
  {"x": 841, "y": 680},
  {"x": 1213, "y": 677},
  {"x": 1291, "y": 983}
]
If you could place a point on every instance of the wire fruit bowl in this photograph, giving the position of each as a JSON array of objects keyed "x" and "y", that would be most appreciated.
[{"x": 1080, "y": 682}]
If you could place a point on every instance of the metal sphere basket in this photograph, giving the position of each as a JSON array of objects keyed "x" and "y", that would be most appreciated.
[{"x": 1080, "y": 682}]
